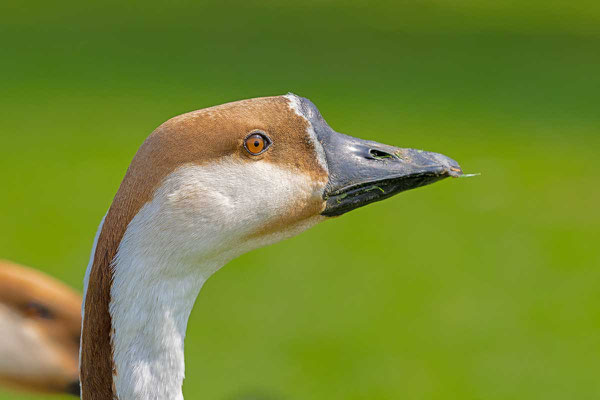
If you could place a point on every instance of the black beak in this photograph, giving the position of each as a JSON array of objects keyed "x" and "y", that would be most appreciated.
[
  {"x": 362, "y": 172},
  {"x": 73, "y": 388}
]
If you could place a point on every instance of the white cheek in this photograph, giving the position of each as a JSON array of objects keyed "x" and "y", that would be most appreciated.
[
  {"x": 214, "y": 207},
  {"x": 23, "y": 350},
  {"x": 198, "y": 219}
]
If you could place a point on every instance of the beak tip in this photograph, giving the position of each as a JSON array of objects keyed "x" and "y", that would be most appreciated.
[
  {"x": 455, "y": 172},
  {"x": 449, "y": 166}
]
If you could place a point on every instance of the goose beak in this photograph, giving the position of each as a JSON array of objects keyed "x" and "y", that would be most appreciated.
[
  {"x": 73, "y": 388},
  {"x": 362, "y": 172}
]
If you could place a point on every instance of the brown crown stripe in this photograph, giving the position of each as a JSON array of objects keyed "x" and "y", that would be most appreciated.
[{"x": 197, "y": 137}]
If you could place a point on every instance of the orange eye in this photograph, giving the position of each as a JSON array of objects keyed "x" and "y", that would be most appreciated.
[{"x": 256, "y": 143}]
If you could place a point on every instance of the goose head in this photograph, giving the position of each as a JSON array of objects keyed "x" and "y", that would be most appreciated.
[
  {"x": 40, "y": 322},
  {"x": 203, "y": 188}
]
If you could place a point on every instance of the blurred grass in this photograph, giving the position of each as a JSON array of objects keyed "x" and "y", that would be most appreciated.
[{"x": 474, "y": 289}]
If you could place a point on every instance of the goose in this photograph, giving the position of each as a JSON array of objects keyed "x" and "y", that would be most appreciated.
[
  {"x": 204, "y": 188},
  {"x": 40, "y": 323}
]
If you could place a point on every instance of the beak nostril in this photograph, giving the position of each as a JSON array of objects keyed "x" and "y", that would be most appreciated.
[{"x": 380, "y": 155}]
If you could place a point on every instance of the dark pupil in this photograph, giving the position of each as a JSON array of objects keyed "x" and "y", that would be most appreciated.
[{"x": 256, "y": 143}]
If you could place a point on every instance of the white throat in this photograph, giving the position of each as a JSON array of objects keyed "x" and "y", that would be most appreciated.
[
  {"x": 150, "y": 307},
  {"x": 194, "y": 224}
]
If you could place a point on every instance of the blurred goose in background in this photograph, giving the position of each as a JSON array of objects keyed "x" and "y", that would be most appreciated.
[
  {"x": 40, "y": 323},
  {"x": 204, "y": 188}
]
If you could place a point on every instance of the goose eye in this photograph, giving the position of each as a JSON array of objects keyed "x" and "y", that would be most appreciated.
[
  {"x": 256, "y": 143},
  {"x": 37, "y": 310}
]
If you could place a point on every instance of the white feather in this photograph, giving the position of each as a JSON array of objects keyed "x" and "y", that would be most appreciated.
[{"x": 199, "y": 218}]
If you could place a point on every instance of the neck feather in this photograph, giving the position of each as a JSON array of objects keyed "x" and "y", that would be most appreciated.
[
  {"x": 151, "y": 300},
  {"x": 142, "y": 282},
  {"x": 150, "y": 297},
  {"x": 154, "y": 253},
  {"x": 157, "y": 275},
  {"x": 96, "y": 367}
]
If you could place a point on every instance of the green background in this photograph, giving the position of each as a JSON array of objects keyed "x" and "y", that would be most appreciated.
[{"x": 482, "y": 288}]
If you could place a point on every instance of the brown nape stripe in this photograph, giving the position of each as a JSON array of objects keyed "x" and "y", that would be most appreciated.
[
  {"x": 95, "y": 370},
  {"x": 197, "y": 138}
]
